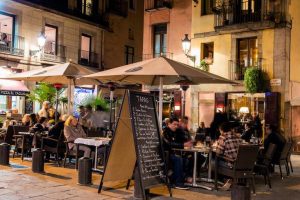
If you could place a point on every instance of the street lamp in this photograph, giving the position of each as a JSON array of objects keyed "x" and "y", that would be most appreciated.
[
  {"x": 41, "y": 40},
  {"x": 186, "y": 47}
]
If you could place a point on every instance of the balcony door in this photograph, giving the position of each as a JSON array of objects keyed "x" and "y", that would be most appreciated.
[
  {"x": 85, "y": 51},
  {"x": 248, "y": 10},
  {"x": 247, "y": 55},
  {"x": 6, "y": 31},
  {"x": 51, "y": 33},
  {"x": 160, "y": 40}
]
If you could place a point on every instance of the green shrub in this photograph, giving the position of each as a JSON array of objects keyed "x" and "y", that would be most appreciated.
[{"x": 254, "y": 80}]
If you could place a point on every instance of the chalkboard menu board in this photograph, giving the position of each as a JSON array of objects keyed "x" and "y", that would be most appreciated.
[
  {"x": 136, "y": 146},
  {"x": 147, "y": 139}
]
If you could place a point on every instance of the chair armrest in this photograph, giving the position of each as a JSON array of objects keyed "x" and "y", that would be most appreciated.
[
  {"x": 50, "y": 139},
  {"x": 225, "y": 158}
]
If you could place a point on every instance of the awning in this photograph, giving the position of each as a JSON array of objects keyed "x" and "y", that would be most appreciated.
[{"x": 11, "y": 87}]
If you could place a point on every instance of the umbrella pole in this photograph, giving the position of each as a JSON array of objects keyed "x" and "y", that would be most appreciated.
[
  {"x": 111, "y": 99},
  {"x": 56, "y": 107},
  {"x": 69, "y": 97},
  {"x": 160, "y": 101}
]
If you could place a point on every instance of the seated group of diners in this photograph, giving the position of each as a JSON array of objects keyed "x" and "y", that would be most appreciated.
[{"x": 226, "y": 145}]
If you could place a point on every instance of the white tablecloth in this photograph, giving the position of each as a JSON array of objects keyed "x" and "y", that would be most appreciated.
[{"x": 92, "y": 141}]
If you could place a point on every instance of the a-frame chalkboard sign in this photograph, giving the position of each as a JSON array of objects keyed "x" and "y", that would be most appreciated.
[{"x": 137, "y": 142}]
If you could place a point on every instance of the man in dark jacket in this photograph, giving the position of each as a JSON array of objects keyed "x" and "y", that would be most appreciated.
[{"x": 175, "y": 139}]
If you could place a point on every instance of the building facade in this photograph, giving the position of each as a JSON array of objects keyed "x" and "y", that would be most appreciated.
[
  {"x": 232, "y": 36},
  {"x": 165, "y": 24},
  {"x": 80, "y": 31}
]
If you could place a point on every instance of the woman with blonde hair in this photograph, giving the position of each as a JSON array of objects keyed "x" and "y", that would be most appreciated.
[
  {"x": 26, "y": 120},
  {"x": 74, "y": 130}
]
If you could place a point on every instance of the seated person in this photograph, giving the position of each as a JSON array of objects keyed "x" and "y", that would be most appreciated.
[
  {"x": 172, "y": 138},
  {"x": 54, "y": 133},
  {"x": 26, "y": 120},
  {"x": 201, "y": 132},
  {"x": 40, "y": 126},
  {"x": 248, "y": 132},
  {"x": 183, "y": 126},
  {"x": 72, "y": 131},
  {"x": 273, "y": 136},
  {"x": 227, "y": 147},
  {"x": 33, "y": 119}
]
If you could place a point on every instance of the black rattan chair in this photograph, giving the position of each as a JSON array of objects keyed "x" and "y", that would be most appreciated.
[
  {"x": 263, "y": 168},
  {"x": 283, "y": 160},
  {"x": 242, "y": 167}
]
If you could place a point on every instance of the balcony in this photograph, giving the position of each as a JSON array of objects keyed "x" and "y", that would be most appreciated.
[
  {"x": 228, "y": 14},
  {"x": 54, "y": 53},
  {"x": 237, "y": 69},
  {"x": 88, "y": 58},
  {"x": 158, "y": 4},
  {"x": 11, "y": 44},
  {"x": 90, "y": 14}
]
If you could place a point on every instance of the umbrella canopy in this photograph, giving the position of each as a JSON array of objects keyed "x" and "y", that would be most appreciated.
[
  {"x": 67, "y": 73},
  {"x": 60, "y": 73},
  {"x": 159, "y": 71},
  {"x": 148, "y": 72},
  {"x": 11, "y": 87}
]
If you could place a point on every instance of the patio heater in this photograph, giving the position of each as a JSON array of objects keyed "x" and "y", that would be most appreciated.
[
  {"x": 111, "y": 88},
  {"x": 184, "y": 85},
  {"x": 57, "y": 86}
]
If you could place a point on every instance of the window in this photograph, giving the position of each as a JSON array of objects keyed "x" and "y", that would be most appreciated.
[
  {"x": 85, "y": 50},
  {"x": 87, "y": 7},
  {"x": 132, "y": 4},
  {"x": 129, "y": 55},
  {"x": 208, "y": 52},
  {"x": 207, "y": 7},
  {"x": 51, "y": 39},
  {"x": 160, "y": 40},
  {"x": 6, "y": 31},
  {"x": 247, "y": 55}
]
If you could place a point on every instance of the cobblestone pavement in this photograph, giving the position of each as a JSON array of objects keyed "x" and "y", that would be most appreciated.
[{"x": 18, "y": 182}]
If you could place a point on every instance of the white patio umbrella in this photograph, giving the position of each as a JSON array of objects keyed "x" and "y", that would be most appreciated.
[
  {"x": 67, "y": 74},
  {"x": 159, "y": 71}
]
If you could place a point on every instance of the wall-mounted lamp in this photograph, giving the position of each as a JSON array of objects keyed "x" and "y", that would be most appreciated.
[
  {"x": 41, "y": 43},
  {"x": 186, "y": 47}
]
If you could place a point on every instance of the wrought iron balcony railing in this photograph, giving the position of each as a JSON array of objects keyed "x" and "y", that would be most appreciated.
[
  {"x": 11, "y": 44},
  {"x": 87, "y": 12},
  {"x": 232, "y": 13},
  {"x": 157, "y": 4},
  {"x": 237, "y": 69},
  {"x": 88, "y": 58},
  {"x": 53, "y": 52}
]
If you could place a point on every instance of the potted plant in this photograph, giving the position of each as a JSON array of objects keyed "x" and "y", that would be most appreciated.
[
  {"x": 204, "y": 65},
  {"x": 254, "y": 80}
]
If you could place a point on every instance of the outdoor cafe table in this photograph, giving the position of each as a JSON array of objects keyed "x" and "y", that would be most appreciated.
[
  {"x": 196, "y": 151},
  {"x": 93, "y": 141},
  {"x": 24, "y": 135}
]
